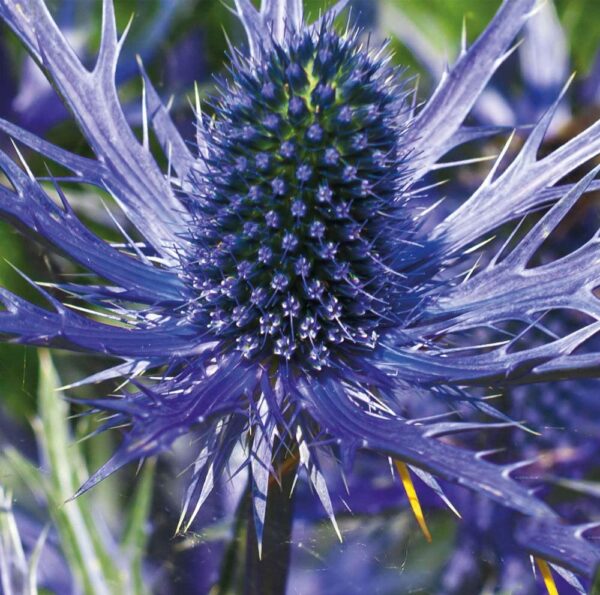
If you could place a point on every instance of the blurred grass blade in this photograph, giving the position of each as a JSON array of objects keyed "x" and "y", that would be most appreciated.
[
  {"x": 83, "y": 547},
  {"x": 24, "y": 471},
  {"x": 34, "y": 561},
  {"x": 13, "y": 567},
  {"x": 135, "y": 537},
  {"x": 99, "y": 564}
]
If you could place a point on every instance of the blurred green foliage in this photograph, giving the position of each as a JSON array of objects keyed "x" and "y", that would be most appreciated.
[
  {"x": 443, "y": 20},
  {"x": 101, "y": 564}
]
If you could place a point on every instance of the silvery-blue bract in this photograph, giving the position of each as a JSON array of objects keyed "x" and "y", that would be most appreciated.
[{"x": 290, "y": 290}]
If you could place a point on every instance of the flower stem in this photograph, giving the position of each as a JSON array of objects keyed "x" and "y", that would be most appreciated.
[{"x": 267, "y": 575}]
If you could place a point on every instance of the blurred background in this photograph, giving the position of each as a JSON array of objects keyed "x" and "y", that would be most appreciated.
[{"x": 132, "y": 515}]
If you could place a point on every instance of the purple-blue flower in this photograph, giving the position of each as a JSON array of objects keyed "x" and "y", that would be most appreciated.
[{"x": 288, "y": 284}]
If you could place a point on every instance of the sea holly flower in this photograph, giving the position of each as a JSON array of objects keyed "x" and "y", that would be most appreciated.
[{"x": 287, "y": 288}]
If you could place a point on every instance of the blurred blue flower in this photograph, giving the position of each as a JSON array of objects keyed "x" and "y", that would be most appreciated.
[
  {"x": 285, "y": 287},
  {"x": 32, "y": 102},
  {"x": 563, "y": 455}
]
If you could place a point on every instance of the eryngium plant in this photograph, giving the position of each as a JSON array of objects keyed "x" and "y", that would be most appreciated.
[{"x": 290, "y": 291}]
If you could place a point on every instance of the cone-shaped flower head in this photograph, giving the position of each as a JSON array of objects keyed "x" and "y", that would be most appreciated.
[{"x": 299, "y": 219}]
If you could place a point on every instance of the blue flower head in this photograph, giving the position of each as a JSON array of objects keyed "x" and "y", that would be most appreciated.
[
  {"x": 294, "y": 288},
  {"x": 302, "y": 204}
]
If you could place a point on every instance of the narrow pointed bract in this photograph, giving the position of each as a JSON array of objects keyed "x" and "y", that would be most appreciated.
[{"x": 288, "y": 293}]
